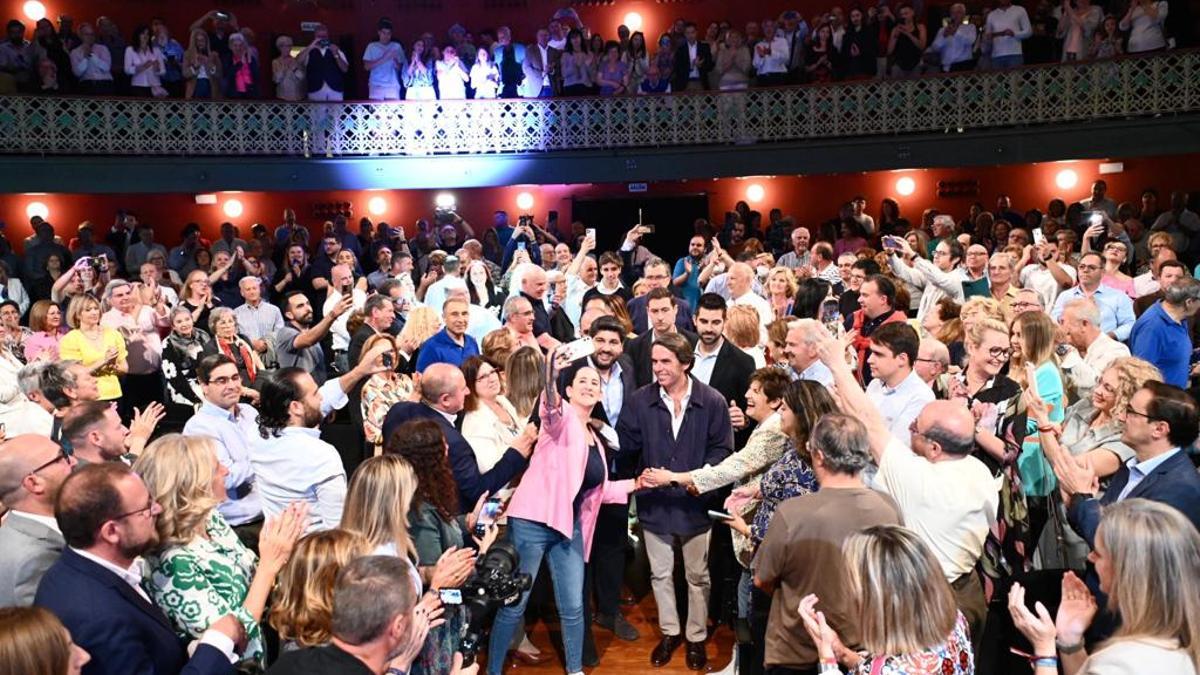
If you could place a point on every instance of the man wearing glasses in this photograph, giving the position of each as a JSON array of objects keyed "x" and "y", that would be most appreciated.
[
  {"x": 32, "y": 469},
  {"x": 107, "y": 518},
  {"x": 1116, "y": 309}
]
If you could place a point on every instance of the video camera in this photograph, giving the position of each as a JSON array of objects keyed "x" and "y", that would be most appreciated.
[{"x": 496, "y": 583}]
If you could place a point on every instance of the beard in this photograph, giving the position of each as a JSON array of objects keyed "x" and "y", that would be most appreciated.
[
  {"x": 709, "y": 339},
  {"x": 133, "y": 550},
  {"x": 312, "y": 417}
]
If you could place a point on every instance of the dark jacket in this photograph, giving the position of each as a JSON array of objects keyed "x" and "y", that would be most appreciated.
[
  {"x": 731, "y": 374},
  {"x": 682, "y": 65},
  {"x": 641, "y": 322},
  {"x": 705, "y": 437},
  {"x": 471, "y": 483},
  {"x": 1174, "y": 482},
  {"x": 638, "y": 350},
  {"x": 124, "y": 633}
]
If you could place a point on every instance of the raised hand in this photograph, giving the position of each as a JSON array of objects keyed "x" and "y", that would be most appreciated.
[
  {"x": 279, "y": 535},
  {"x": 453, "y": 568},
  {"x": 1075, "y": 611},
  {"x": 1038, "y": 628}
]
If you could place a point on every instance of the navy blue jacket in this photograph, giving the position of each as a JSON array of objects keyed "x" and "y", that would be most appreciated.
[
  {"x": 705, "y": 437},
  {"x": 1174, "y": 482},
  {"x": 124, "y": 634},
  {"x": 641, "y": 322},
  {"x": 471, "y": 483}
]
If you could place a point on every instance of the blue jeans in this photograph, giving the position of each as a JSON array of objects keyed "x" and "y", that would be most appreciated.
[
  {"x": 534, "y": 540},
  {"x": 1002, "y": 62}
]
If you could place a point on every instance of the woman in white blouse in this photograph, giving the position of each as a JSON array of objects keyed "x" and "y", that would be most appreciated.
[
  {"x": 1144, "y": 21},
  {"x": 485, "y": 76},
  {"x": 491, "y": 422},
  {"x": 144, "y": 64}
]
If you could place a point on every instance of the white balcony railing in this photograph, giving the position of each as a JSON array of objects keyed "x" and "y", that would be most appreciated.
[{"x": 1129, "y": 87}]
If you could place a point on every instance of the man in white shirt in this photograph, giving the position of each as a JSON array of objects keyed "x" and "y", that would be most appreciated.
[
  {"x": 1006, "y": 26},
  {"x": 341, "y": 282},
  {"x": 897, "y": 391},
  {"x": 771, "y": 57},
  {"x": 1043, "y": 272},
  {"x": 293, "y": 463},
  {"x": 1151, "y": 281},
  {"x": 1088, "y": 350},
  {"x": 383, "y": 59},
  {"x": 956, "y": 42},
  {"x": 800, "y": 348},
  {"x": 92, "y": 64},
  {"x": 948, "y": 497},
  {"x": 32, "y": 469},
  {"x": 741, "y": 292},
  {"x": 941, "y": 278}
]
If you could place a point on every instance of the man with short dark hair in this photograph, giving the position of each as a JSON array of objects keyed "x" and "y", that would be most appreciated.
[
  {"x": 96, "y": 434},
  {"x": 692, "y": 63},
  {"x": 661, "y": 308},
  {"x": 657, "y": 274},
  {"x": 942, "y": 277},
  {"x": 298, "y": 343},
  {"x": 877, "y": 299},
  {"x": 680, "y": 424},
  {"x": 1162, "y": 336},
  {"x": 107, "y": 518},
  {"x": 899, "y": 394},
  {"x": 32, "y": 469},
  {"x": 1116, "y": 309},
  {"x": 718, "y": 362},
  {"x": 1166, "y": 272},
  {"x": 801, "y": 550}
]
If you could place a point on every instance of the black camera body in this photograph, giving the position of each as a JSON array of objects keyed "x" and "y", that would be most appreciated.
[{"x": 497, "y": 582}]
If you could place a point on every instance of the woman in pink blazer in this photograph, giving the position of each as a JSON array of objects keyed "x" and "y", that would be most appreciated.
[{"x": 553, "y": 510}]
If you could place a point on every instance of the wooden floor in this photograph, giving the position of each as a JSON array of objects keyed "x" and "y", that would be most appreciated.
[{"x": 627, "y": 658}]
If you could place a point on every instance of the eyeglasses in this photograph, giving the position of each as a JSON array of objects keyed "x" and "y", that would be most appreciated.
[
  {"x": 937, "y": 254},
  {"x": 912, "y": 429},
  {"x": 1021, "y": 305},
  {"x": 930, "y": 361},
  {"x": 63, "y": 455},
  {"x": 1000, "y": 352},
  {"x": 1087, "y": 268},
  {"x": 222, "y": 381},
  {"x": 148, "y": 509},
  {"x": 484, "y": 376},
  {"x": 1130, "y": 410}
]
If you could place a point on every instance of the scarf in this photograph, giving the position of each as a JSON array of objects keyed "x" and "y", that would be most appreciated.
[
  {"x": 243, "y": 77},
  {"x": 243, "y": 352},
  {"x": 189, "y": 345}
]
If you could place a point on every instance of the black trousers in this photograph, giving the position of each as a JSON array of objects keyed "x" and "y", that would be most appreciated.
[{"x": 606, "y": 568}]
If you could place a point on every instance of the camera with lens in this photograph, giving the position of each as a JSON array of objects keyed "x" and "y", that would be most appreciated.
[{"x": 496, "y": 582}]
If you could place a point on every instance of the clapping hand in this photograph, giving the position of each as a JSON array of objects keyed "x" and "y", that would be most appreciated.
[
  {"x": 452, "y": 568},
  {"x": 278, "y": 536},
  {"x": 827, "y": 641},
  {"x": 143, "y": 425}
]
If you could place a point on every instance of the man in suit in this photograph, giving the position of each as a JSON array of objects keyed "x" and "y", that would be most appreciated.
[
  {"x": 443, "y": 389},
  {"x": 692, "y": 63},
  {"x": 656, "y": 273},
  {"x": 32, "y": 469},
  {"x": 107, "y": 517},
  {"x": 719, "y": 363},
  {"x": 661, "y": 308},
  {"x": 539, "y": 67}
]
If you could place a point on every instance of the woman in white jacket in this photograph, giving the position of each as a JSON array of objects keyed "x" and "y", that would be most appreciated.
[{"x": 491, "y": 423}]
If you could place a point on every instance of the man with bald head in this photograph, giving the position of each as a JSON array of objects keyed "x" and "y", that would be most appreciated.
[
  {"x": 975, "y": 269},
  {"x": 341, "y": 283},
  {"x": 741, "y": 292},
  {"x": 32, "y": 469},
  {"x": 443, "y": 390},
  {"x": 948, "y": 497}
]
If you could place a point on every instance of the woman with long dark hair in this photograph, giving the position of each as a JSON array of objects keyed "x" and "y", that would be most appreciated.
[
  {"x": 576, "y": 66},
  {"x": 144, "y": 64}
]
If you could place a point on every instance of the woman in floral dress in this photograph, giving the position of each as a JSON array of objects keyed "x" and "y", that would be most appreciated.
[{"x": 201, "y": 571}]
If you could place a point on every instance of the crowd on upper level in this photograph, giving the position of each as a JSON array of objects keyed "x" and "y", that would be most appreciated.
[
  {"x": 913, "y": 415},
  {"x": 216, "y": 57}
]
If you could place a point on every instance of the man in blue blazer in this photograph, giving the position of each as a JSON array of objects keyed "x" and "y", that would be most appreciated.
[
  {"x": 107, "y": 517},
  {"x": 443, "y": 389}
]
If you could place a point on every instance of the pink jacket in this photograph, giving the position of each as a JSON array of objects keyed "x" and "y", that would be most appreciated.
[{"x": 547, "y": 490}]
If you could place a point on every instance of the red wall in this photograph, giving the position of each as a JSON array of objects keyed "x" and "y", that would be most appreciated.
[{"x": 812, "y": 199}]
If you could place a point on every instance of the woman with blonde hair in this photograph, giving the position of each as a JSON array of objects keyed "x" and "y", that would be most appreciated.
[
  {"x": 101, "y": 350},
  {"x": 525, "y": 373},
  {"x": 200, "y": 570},
  {"x": 34, "y": 642},
  {"x": 302, "y": 606},
  {"x": 422, "y": 323},
  {"x": 381, "y": 391},
  {"x": 781, "y": 287},
  {"x": 1091, "y": 430},
  {"x": 201, "y": 68},
  {"x": 197, "y": 296},
  {"x": 903, "y": 605},
  {"x": 743, "y": 329},
  {"x": 1147, "y": 561},
  {"x": 1035, "y": 366},
  {"x": 377, "y": 505}
]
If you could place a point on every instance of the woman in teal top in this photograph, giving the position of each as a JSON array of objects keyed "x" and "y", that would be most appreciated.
[{"x": 1034, "y": 366}]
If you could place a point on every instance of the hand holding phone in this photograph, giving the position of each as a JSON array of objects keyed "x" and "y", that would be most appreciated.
[
  {"x": 577, "y": 349},
  {"x": 488, "y": 514}
]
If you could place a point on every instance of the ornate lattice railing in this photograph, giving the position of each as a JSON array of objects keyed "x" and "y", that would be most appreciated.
[{"x": 1128, "y": 87}]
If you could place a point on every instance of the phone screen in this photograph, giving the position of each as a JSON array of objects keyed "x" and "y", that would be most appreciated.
[
  {"x": 831, "y": 311},
  {"x": 487, "y": 515},
  {"x": 891, "y": 243}
]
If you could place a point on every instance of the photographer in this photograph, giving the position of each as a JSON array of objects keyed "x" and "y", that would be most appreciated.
[{"x": 553, "y": 511}]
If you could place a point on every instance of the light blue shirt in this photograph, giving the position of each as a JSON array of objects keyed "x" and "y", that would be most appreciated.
[
  {"x": 1116, "y": 309},
  {"x": 259, "y": 322},
  {"x": 702, "y": 367},
  {"x": 817, "y": 372},
  {"x": 1139, "y": 470},
  {"x": 297, "y": 466},
  {"x": 901, "y": 405},
  {"x": 612, "y": 392},
  {"x": 234, "y": 434}
]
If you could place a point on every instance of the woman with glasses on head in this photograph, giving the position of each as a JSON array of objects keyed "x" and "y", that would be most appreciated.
[
  {"x": 1115, "y": 255},
  {"x": 200, "y": 570},
  {"x": 101, "y": 350},
  {"x": 1147, "y": 560},
  {"x": 381, "y": 391},
  {"x": 1091, "y": 431}
]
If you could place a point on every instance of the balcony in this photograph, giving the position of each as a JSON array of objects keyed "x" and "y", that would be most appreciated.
[{"x": 1132, "y": 87}]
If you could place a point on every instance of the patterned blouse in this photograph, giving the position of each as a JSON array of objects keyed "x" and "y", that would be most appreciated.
[
  {"x": 952, "y": 657},
  {"x": 199, "y": 582},
  {"x": 789, "y": 477},
  {"x": 379, "y": 394}
]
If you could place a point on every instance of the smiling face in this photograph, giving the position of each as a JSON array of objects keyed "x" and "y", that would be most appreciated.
[
  {"x": 224, "y": 386},
  {"x": 992, "y": 352},
  {"x": 667, "y": 369},
  {"x": 487, "y": 383},
  {"x": 584, "y": 390},
  {"x": 758, "y": 406},
  {"x": 1105, "y": 393}
]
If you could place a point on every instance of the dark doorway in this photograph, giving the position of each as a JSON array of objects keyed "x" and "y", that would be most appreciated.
[{"x": 672, "y": 217}]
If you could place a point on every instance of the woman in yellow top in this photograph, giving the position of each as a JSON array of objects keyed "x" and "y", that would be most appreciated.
[{"x": 98, "y": 348}]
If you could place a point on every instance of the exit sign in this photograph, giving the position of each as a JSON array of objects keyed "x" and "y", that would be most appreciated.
[{"x": 638, "y": 187}]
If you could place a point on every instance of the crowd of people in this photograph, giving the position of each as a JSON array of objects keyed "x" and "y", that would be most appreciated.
[
  {"x": 216, "y": 57},
  {"x": 872, "y": 444}
]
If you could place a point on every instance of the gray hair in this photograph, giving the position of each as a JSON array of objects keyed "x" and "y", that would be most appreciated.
[
  {"x": 510, "y": 305},
  {"x": 369, "y": 594},
  {"x": 243, "y": 280},
  {"x": 1181, "y": 291},
  {"x": 1084, "y": 309},
  {"x": 216, "y": 315},
  {"x": 178, "y": 309},
  {"x": 810, "y": 328},
  {"x": 112, "y": 286},
  {"x": 952, "y": 443},
  {"x": 29, "y": 378},
  {"x": 843, "y": 443},
  {"x": 1001, "y": 256},
  {"x": 655, "y": 261},
  {"x": 937, "y": 351}
]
